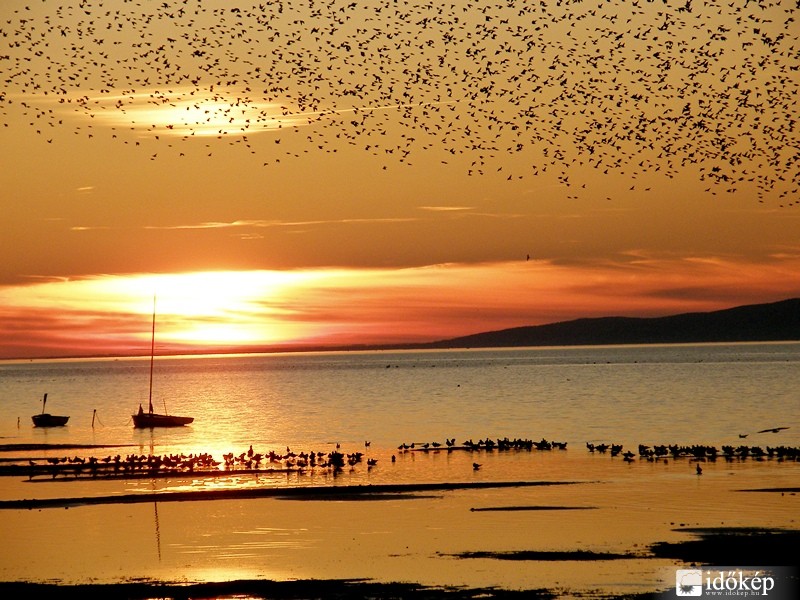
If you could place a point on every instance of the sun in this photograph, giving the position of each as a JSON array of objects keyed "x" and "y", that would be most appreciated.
[
  {"x": 216, "y": 308},
  {"x": 206, "y": 294}
]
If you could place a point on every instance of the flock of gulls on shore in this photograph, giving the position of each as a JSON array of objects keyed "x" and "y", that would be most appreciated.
[
  {"x": 508, "y": 87},
  {"x": 336, "y": 461}
]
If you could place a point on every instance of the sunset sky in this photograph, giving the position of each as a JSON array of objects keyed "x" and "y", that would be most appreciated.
[{"x": 285, "y": 174}]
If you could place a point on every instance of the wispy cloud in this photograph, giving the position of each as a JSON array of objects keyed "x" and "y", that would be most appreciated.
[
  {"x": 277, "y": 223},
  {"x": 260, "y": 224},
  {"x": 257, "y": 224},
  {"x": 446, "y": 208}
]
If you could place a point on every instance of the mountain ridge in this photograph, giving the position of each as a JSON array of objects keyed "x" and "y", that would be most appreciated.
[{"x": 774, "y": 321}]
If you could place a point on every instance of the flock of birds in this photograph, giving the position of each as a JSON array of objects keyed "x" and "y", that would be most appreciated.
[
  {"x": 488, "y": 444},
  {"x": 509, "y": 87},
  {"x": 297, "y": 460},
  {"x": 699, "y": 452},
  {"x": 150, "y": 465},
  {"x": 335, "y": 461}
]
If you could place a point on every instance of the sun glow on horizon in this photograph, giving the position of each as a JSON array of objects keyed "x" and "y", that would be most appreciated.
[{"x": 214, "y": 308}]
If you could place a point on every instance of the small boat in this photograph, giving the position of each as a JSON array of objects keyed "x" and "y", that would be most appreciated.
[
  {"x": 150, "y": 419},
  {"x": 44, "y": 419},
  {"x": 143, "y": 420}
]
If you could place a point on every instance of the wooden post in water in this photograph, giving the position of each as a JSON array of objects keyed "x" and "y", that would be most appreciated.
[{"x": 94, "y": 413}]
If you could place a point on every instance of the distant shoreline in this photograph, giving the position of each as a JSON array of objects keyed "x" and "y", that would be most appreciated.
[{"x": 356, "y": 348}]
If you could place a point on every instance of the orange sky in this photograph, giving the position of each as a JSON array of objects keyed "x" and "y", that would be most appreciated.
[{"x": 379, "y": 172}]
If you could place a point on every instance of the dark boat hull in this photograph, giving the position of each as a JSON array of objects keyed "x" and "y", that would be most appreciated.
[
  {"x": 48, "y": 420},
  {"x": 146, "y": 420}
]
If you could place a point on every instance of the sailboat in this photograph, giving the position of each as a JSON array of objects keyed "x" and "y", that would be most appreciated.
[
  {"x": 44, "y": 419},
  {"x": 150, "y": 419}
]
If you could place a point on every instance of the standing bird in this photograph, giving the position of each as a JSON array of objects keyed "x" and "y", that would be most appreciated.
[{"x": 699, "y": 470}]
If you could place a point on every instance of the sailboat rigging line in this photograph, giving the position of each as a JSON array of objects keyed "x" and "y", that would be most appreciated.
[{"x": 152, "y": 356}]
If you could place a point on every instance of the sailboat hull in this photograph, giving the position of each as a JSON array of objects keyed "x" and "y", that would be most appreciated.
[
  {"x": 146, "y": 420},
  {"x": 48, "y": 420},
  {"x": 44, "y": 419}
]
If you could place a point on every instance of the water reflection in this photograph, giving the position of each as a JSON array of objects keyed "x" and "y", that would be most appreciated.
[
  {"x": 692, "y": 395},
  {"x": 158, "y": 530},
  {"x": 626, "y": 508}
]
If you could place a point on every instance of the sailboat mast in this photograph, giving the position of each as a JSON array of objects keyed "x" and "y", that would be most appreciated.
[{"x": 152, "y": 354}]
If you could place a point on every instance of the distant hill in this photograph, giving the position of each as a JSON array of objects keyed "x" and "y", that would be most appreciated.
[{"x": 777, "y": 321}]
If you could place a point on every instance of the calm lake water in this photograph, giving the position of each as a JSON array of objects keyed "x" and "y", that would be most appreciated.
[
  {"x": 644, "y": 394},
  {"x": 679, "y": 394}
]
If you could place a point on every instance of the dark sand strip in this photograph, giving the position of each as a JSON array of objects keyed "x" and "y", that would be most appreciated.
[
  {"x": 523, "y": 508},
  {"x": 274, "y": 590},
  {"x": 751, "y": 546},
  {"x": 39, "y": 447},
  {"x": 783, "y": 490},
  {"x": 307, "y": 493},
  {"x": 544, "y": 555},
  {"x": 334, "y": 497},
  {"x": 748, "y": 546},
  {"x": 83, "y": 472}
]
